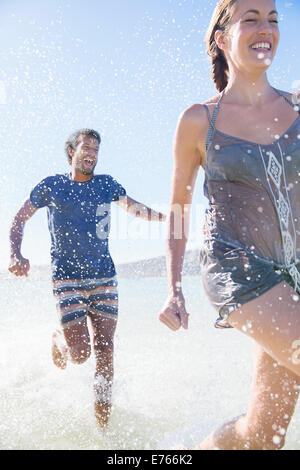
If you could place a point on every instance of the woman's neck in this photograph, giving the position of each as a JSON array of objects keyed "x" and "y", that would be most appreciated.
[{"x": 252, "y": 90}]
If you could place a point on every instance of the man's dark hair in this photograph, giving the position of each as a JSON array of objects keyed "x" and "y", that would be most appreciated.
[{"x": 72, "y": 141}]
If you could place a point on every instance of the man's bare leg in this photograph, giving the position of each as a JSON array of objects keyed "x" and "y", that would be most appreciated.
[
  {"x": 77, "y": 349},
  {"x": 103, "y": 337},
  {"x": 59, "y": 350},
  {"x": 73, "y": 344}
]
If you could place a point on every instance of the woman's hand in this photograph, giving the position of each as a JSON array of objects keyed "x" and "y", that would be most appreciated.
[{"x": 174, "y": 314}]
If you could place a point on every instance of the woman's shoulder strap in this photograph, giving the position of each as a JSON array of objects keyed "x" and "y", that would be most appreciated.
[
  {"x": 212, "y": 120},
  {"x": 295, "y": 99}
]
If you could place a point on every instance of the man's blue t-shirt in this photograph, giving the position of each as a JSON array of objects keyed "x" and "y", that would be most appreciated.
[{"x": 79, "y": 222}]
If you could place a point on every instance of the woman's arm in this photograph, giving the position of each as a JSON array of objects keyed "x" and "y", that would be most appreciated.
[{"x": 188, "y": 147}]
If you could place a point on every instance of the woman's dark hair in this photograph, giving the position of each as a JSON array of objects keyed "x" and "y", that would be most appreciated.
[
  {"x": 219, "y": 21},
  {"x": 72, "y": 141}
]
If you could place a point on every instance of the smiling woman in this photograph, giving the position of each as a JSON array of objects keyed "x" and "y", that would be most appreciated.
[
  {"x": 247, "y": 140},
  {"x": 248, "y": 20}
]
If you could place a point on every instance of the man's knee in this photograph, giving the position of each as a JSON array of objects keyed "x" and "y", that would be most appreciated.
[
  {"x": 80, "y": 353},
  {"x": 104, "y": 348}
]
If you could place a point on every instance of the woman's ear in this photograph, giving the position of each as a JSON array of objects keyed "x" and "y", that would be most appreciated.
[{"x": 220, "y": 39}]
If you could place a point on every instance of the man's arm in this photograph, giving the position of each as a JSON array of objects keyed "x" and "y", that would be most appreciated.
[
  {"x": 137, "y": 209},
  {"x": 19, "y": 265}
]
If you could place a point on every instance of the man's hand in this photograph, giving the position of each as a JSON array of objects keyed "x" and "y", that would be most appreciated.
[
  {"x": 19, "y": 266},
  {"x": 174, "y": 314}
]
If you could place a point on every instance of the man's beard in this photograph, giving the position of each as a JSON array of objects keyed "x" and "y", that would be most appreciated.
[{"x": 86, "y": 171}]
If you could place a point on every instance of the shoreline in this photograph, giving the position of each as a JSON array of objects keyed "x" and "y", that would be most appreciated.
[{"x": 144, "y": 268}]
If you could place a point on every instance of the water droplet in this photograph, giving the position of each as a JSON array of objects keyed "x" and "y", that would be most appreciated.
[
  {"x": 282, "y": 431},
  {"x": 276, "y": 439}
]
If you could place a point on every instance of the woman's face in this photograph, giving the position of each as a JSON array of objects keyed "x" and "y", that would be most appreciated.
[{"x": 253, "y": 35}]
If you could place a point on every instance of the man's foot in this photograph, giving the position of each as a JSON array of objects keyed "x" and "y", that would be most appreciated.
[
  {"x": 103, "y": 392},
  {"x": 102, "y": 414},
  {"x": 59, "y": 350}
]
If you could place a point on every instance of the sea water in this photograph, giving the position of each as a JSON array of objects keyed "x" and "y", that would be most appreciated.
[{"x": 170, "y": 390}]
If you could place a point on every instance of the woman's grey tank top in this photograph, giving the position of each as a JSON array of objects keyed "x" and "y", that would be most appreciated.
[{"x": 254, "y": 194}]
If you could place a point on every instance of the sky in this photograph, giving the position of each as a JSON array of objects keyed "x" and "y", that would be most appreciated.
[{"x": 126, "y": 68}]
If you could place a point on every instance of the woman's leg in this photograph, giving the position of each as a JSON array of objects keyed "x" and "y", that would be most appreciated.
[
  {"x": 273, "y": 321},
  {"x": 273, "y": 398}
]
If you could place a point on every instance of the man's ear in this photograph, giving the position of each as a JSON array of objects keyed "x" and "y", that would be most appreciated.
[
  {"x": 220, "y": 39},
  {"x": 70, "y": 152}
]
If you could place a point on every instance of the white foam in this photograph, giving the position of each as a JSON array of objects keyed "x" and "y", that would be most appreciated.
[{"x": 171, "y": 389}]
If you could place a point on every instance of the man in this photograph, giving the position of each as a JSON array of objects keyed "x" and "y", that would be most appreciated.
[{"x": 83, "y": 272}]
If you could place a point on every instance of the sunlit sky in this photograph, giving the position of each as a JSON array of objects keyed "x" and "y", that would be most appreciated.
[{"x": 126, "y": 68}]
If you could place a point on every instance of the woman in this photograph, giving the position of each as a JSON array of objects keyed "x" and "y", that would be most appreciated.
[{"x": 247, "y": 140}]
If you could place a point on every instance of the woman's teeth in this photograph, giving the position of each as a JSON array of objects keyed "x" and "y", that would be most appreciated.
[{"x": 262, "y": 45}]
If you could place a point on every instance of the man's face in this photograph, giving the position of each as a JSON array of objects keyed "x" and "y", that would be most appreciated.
[{"x": 85, "y": 155}]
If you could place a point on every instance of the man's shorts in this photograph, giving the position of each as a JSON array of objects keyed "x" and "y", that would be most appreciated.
[{"x": 78, "y": 298}]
